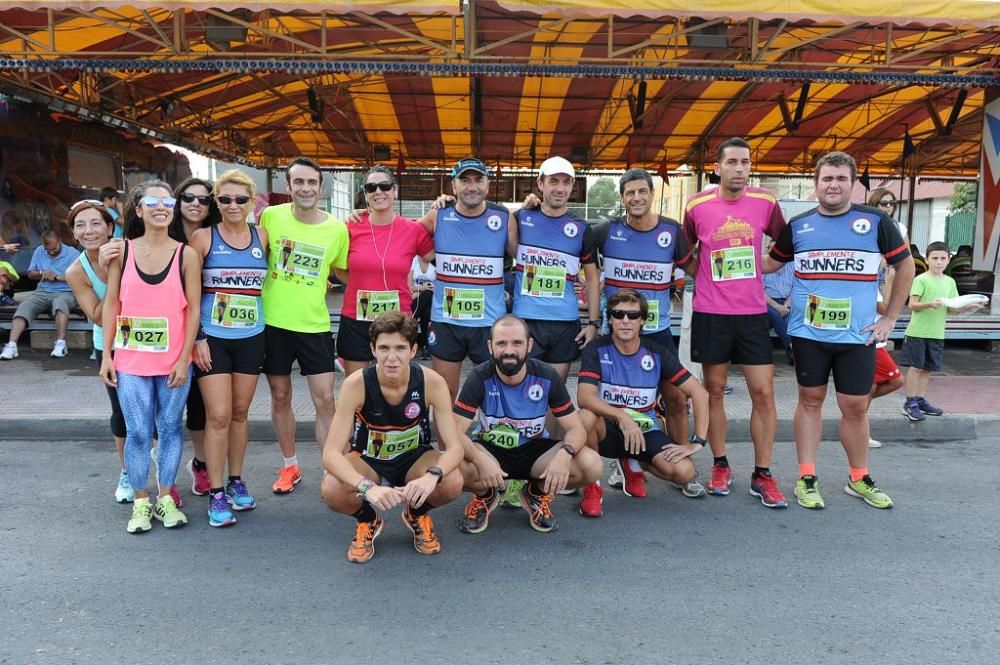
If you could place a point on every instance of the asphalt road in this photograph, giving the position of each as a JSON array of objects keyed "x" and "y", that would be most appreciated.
[{"x": 660, "y": 580}]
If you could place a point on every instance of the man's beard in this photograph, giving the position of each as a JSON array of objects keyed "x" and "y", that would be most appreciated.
[{"x": 509, "y": 368}]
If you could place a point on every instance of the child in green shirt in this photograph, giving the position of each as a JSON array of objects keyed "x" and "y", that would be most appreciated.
[{"x": 923, "y": 347}]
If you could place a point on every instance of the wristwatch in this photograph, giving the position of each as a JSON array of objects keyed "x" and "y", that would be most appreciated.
[
  {"x": 363, "y": 486},
  {"x": 597, "y": 323},
  {"x": 697, "y": 439},
  {"x": 569, "y": 449},
  {"x": 436, "y": 471}
]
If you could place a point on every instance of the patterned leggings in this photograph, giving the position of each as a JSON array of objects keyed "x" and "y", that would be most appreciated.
[{"x": 146, "y": 400}]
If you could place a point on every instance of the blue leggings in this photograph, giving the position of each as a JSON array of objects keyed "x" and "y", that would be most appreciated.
[{"x": 146, "y": 400}]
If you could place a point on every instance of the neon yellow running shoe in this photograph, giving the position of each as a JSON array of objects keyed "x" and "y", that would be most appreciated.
[
  {"x": 511, "y": 497},
  {"x": 142, "y": 511},
  {"x": 867, "y": 490},
  {"x": 807, "y": 492},
  {"x": 167, "y": 512}
]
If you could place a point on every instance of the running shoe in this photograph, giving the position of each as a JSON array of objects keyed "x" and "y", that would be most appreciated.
[
  {"x": 124, "y": 492},
  {"x": 911, "y": 409},
  {"x": 238, "y": 496},
  {"x": 167, "y": 512},
  {"x": 539, "y": 508},
  {"x": 807, "y": 493},
  {"x": 511, "y": 497},
  {"x": 867, "y": 490},
  {"x": 477, "y": 512},
  {"x": 288, "y": 478},
  {"x": 219, "y": 511},
  {"x": 692, "y": 489},
  {"x": 9, "y": 351},
  {"x": 362, "y": 548},
  {"x": 6, "y": 300},
  {"x": 765, "y": 488},
  {"x": 635, "y": 481},
  {"x": 874, "y": 443},
  {"x": 568, "y": 491},
  {"x": 593, "y": 498},
  {"x": 142, "y": 511},
  {"x": 722, "y": 478},
  {"x": 425, "y": 540},
  {"x": 59, "y": 349},
  {"x": 201, "y": 484},
  {"x": 928, "y": 408},
  {"x": 176, "y": 496},
  {"x": 616, "y": 479}
]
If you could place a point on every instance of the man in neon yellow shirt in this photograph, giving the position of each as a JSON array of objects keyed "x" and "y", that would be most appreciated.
[{"x": 305, "y": 243}]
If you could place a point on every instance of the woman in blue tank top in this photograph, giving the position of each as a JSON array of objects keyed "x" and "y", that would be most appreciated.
[
  {"x": 92, "y": 226},
  {"x": 230, "y": 352}
]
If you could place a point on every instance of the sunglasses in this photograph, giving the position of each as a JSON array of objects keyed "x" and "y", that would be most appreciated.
[
  {"x": 153, "y": 201},
  {"x": 226, "y": 200},
  {"x": 632, "y": 314},
  {"x": 188, "y": 197},
  {"x": 887, "y": 203},
  {"x": 370, "y": 187}
]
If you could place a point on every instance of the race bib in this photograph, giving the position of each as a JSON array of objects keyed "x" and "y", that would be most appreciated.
[
  {"x": 828, "y": 313},
  {"x": 644, "y": 422},
  {"x": 543, "y": 281},
  {"x": 387, "y": 445},
  {"x": 234, "y": 311},
  {"x": 373, "y": 304},
  {"x": 502, "y": 436},
  {"x": 299, "y": 258},
  {"x": 652, "y": 323},
  {"x": 146, "y": 334},
  {"x": 733, "y": 263},
  {"x": 464, "y": 304}
]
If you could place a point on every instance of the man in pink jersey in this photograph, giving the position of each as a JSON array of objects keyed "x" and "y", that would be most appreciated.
[{"x": 725, "y": 228}]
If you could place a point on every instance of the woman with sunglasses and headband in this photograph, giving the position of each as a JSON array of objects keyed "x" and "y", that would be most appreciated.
[
  {"x": 151, "y": 317},
  {"x": 93, "y": 227},
  {"x": 195, "y": 210},
  {"x": 381, "y": 253},
  {"x": 228, "y": 360}
]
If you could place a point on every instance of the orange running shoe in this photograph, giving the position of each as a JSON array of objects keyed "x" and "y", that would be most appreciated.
[
  {"x": 425, "y": 540},
  {"x": 288, "y": 478},
  {"x": 363, "y": 546}
]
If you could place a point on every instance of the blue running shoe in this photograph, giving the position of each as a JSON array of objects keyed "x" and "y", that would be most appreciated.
[
  {"x": 219, "y": 512},
  {"x": 239, "y": 497}
]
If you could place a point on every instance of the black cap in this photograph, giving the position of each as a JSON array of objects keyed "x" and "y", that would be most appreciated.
[{"x": 470, "y": 164}]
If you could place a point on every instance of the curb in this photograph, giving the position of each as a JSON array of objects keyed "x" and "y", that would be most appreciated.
[{"x": 895, "y": 429}]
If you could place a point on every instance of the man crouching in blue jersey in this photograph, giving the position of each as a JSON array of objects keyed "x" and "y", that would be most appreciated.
[
  {"x": 620, "y": 376},
  {"x": 512, "y": 394}
]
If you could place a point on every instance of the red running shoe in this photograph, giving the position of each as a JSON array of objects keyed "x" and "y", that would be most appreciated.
[
  {"x": 200, "y": 482},
  {"x": 722, "y": 478},
  {"x": 765, "y": 488},
  {"x": 635, "y": 481},
  {"x": 593, "y": 497}
]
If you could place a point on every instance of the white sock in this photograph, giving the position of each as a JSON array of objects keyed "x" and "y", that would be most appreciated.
[
  {"x": 291, "y": 461},
  {"x": 633, "y": 465}
]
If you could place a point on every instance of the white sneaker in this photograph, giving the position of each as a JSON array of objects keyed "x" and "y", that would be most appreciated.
[
  {"x": 617, "y": 478},
  {"x": 874, "y": 443},
  {"x": 124, "y": 492},
  {"x": 9, "y": 351},
  {"x": 59, "y": 350},
  {"x": 691, "y": 490}
]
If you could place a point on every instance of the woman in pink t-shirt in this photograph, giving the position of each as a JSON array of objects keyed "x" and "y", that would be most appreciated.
[{"x": 383, "y": 245}]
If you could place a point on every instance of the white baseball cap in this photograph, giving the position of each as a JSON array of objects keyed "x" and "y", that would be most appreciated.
[{"x": 554, "y": 165}]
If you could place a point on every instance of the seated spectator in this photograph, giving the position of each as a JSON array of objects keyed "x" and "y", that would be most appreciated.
[
  {"x": 48, "y": 265},
  {"x": 8, "y": 277}
]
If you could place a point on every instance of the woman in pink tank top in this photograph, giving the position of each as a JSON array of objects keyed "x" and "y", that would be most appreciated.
[{"x": 151, "y": 317}]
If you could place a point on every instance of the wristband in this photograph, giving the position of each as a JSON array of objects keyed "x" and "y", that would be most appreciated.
[
  {"x": 697, "y": 439},
  {"x": 596, "y": 323},
  {"x": 436, "y": 471},
  {"x": 202, "y": 336},
  {"x": 569, "y": 449},
  {"x": 363, "y": 486}
]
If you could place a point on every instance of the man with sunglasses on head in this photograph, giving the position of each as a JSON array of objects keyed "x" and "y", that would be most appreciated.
[
  {"x": 306, "y": 243},
  {"x": 621, "y": 375},
  {"x": 638, "y": 252},
  {"x": 48, "y": 265},
  {"x": 725, "y": 226}
]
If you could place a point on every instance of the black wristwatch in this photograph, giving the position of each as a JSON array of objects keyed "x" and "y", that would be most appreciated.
[
  {"x": 436, "y": 471},
  {"x": 597, "y": 323},
  {"x": 697, "y": 439}
]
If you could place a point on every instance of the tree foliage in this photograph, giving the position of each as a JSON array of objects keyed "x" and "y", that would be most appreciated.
[
  {"x": 964, "y": 198},
  {"x": 603, "y": 200}
]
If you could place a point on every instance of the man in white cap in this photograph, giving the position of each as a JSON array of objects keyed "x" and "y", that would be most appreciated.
[{"x": 553, "y": 244}]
